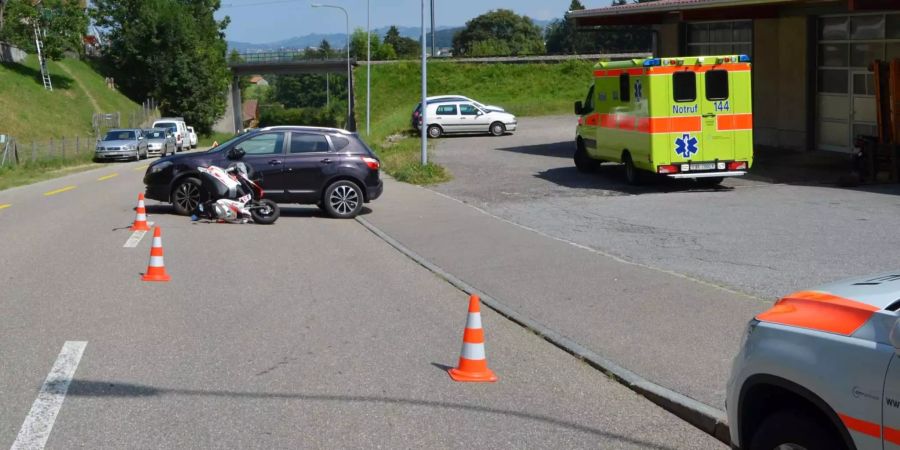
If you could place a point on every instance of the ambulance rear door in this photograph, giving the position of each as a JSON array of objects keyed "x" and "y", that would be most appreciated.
[{"x": 717, "y": 111}]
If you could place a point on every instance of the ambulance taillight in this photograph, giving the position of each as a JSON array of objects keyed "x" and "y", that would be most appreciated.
[
  {"x": 667, "y": 169},
  {"x": 737, "y": 165}
]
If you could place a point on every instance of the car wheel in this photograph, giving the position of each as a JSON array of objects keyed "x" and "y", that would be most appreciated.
[
  {"x": 498, "y": 129},
  {"x": 186, "y": 196},
  {"x": 583, "y": 162},
  {"x": 794, "y": 430},
  {"x": 435, "y": 131},
  {"x": 632, "y": 174},
  {"x": 343, "y": 199}
]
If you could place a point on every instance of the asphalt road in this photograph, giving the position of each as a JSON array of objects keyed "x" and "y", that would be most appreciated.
[
  {"x": 311, "y": 333},
  {"x": 760, "y": 238}
]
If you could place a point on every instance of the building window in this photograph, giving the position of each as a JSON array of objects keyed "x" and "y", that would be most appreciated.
[
  {"x": 684, "y": 86},
  {"x": 720, "y": 38},
  {"x": 847, "y": 45}
]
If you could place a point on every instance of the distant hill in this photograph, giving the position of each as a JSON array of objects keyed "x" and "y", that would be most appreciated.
[{"x": 443, "y": 38}]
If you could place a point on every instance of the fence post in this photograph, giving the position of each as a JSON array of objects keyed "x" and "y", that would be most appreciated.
[
  {"x": 77, "y": 143},
  {"x": 63, "y": 148},
  {"x": 51, "y": 148},
  {"x": 33, "y": 151}
]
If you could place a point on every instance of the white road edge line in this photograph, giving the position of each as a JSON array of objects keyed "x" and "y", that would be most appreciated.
[
  {"x": 136, "y": 237},
  {"x": 36, "y": 429}
]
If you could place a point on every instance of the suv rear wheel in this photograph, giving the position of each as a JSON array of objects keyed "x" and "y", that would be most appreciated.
[
  {"x": 435, "y": 131},
  {"x": 343, "y": 199},
  {"x": 794, "y": 429}
]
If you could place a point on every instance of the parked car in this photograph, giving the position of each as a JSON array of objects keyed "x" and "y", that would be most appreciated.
[
  {"x": 821, "y": 370},
  {"x": 328, "y": 167},
  {"x": 193, "y": 137},
  {"x": 416, "y": 120},
  {"x": 178, "y": 128},
  {"x": 160, "y": 142},
  {"x": 121, "y": 144},
  {"x": 466, "y": 117}
]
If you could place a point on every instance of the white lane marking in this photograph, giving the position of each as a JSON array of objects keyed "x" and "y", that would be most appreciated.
[
  {"x": 136, "y": 237},
  {"x": 36, "y": 429}
]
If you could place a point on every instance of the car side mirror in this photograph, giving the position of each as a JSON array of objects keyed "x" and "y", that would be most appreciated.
[
  {"x": 579, "y": 108},
  {"x": 236, "y": 153},
  {"x": 140, "y": 138}
]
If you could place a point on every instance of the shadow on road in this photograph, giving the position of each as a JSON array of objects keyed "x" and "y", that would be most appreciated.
[
  {"x": 611, "y": 177},
  {"x": 91, "y": 388},
  {"x": 286, "y": 211},
  {"x": 564, "y": 149}
]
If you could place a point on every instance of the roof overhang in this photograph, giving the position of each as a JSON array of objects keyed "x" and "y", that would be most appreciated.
[{"x": 661, "y": 11}]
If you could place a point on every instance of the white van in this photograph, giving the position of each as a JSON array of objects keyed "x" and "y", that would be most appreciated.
[{"x": 178, "y": 128}]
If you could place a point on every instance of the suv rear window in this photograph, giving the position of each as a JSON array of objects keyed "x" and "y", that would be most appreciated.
[
  {"x": 339, "y": 142},
  {"x": 684, "y": 86},
  {"x": 164, "y": 125},
  {"x": 717, "y": 85}
]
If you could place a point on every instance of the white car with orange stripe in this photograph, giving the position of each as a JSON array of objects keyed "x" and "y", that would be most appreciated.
[{"x": 820, "y": 370}]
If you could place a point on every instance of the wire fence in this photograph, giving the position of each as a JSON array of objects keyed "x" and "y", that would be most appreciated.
[{"x": 14, "y": 153}]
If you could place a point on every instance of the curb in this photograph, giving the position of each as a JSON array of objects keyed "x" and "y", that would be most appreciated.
[{"x": 711, "y": 420}]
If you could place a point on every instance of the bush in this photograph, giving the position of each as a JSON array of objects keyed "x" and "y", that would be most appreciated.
[{"x": 322, "y": 117}]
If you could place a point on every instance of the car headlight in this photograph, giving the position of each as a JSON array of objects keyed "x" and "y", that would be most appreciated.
[{"x": 159, "y": 167}]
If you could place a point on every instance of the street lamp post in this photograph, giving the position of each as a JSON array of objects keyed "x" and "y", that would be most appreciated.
[
  {"x": 424, "y": 108},
  {"x": 347, "y": 17},
  {"x": 368, "y": 66}
]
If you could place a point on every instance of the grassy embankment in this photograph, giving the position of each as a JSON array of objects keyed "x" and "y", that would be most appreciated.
[
  {"x": 523, "y": 89},
  {"x": 30, "y": 113}
]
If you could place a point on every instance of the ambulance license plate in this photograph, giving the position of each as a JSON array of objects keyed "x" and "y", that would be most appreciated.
[{"x": 703, "y": 166}]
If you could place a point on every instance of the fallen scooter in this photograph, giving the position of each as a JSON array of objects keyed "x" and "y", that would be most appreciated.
[{"x": 233, "y": 196}]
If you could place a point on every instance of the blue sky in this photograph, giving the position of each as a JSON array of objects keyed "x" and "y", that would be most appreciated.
[{"x": 277, "y": 20}]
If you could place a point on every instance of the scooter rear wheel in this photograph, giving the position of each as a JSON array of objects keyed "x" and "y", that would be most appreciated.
[{"x": 266, "y": 212}]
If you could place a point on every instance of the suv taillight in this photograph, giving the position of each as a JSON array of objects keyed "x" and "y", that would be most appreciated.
[{"x": 371, "y": 162}]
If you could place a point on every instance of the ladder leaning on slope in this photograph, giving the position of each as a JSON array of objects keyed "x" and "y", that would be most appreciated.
[{"x": 39, "y": 44}]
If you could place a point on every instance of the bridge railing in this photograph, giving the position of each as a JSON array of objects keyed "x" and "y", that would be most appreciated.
[{"x": 278, "y": 56}]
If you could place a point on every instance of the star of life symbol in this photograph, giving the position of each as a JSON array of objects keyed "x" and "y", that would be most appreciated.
[
  {"x": 638, "y": 91},
  {"x": 686, "y": 145}
]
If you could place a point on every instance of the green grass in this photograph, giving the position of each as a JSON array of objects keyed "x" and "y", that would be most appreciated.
[
  {"x": 523, "y": 89},
  {"x": 29, "y": 113}
]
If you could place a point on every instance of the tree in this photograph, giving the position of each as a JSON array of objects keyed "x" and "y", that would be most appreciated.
[
  {"x": 379, "y": 51},
  {"x": 499, "y": 32},
  {"x": 63, "y": 23},
  {"x": 404, "y": 47},
  {"x": 173, "y": 50},
  {"x": 563, "y": 37}
]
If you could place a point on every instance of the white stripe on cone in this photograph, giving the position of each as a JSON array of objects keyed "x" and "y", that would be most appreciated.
[
  {"x": 473, "y": 351},
  {"x": 157, "y": 242},
  {"x": 474, "y": 320},
  {"x": 156, "y": 261}
]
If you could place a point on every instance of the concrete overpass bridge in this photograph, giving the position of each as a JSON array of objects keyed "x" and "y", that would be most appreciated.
[{"x": 280, "y": 63}]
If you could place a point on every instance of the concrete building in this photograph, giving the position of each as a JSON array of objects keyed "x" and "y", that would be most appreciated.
[{"x": 812, "y": 89}]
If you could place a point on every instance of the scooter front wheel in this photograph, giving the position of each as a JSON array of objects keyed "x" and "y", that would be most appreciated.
[{"x": 265, "y": 212}]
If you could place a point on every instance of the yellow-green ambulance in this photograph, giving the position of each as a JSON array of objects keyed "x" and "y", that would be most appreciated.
[{"x": 678, "y": 117}]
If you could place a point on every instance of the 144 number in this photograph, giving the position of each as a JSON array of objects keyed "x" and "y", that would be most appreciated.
[{"x": 721, "y": 106}]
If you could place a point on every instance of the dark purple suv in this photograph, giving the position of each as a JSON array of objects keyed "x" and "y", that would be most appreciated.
[{"x": 328, "y": 167}]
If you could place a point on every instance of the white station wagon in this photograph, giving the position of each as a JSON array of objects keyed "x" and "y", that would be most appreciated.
[{"x": 466, "y": 117}]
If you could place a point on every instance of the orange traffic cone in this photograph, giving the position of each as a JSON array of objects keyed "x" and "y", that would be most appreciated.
[
  {"x": 140, "y": 220},
  {"x": 472, "y": 362},
  {"x": 156, "y": 270}
]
